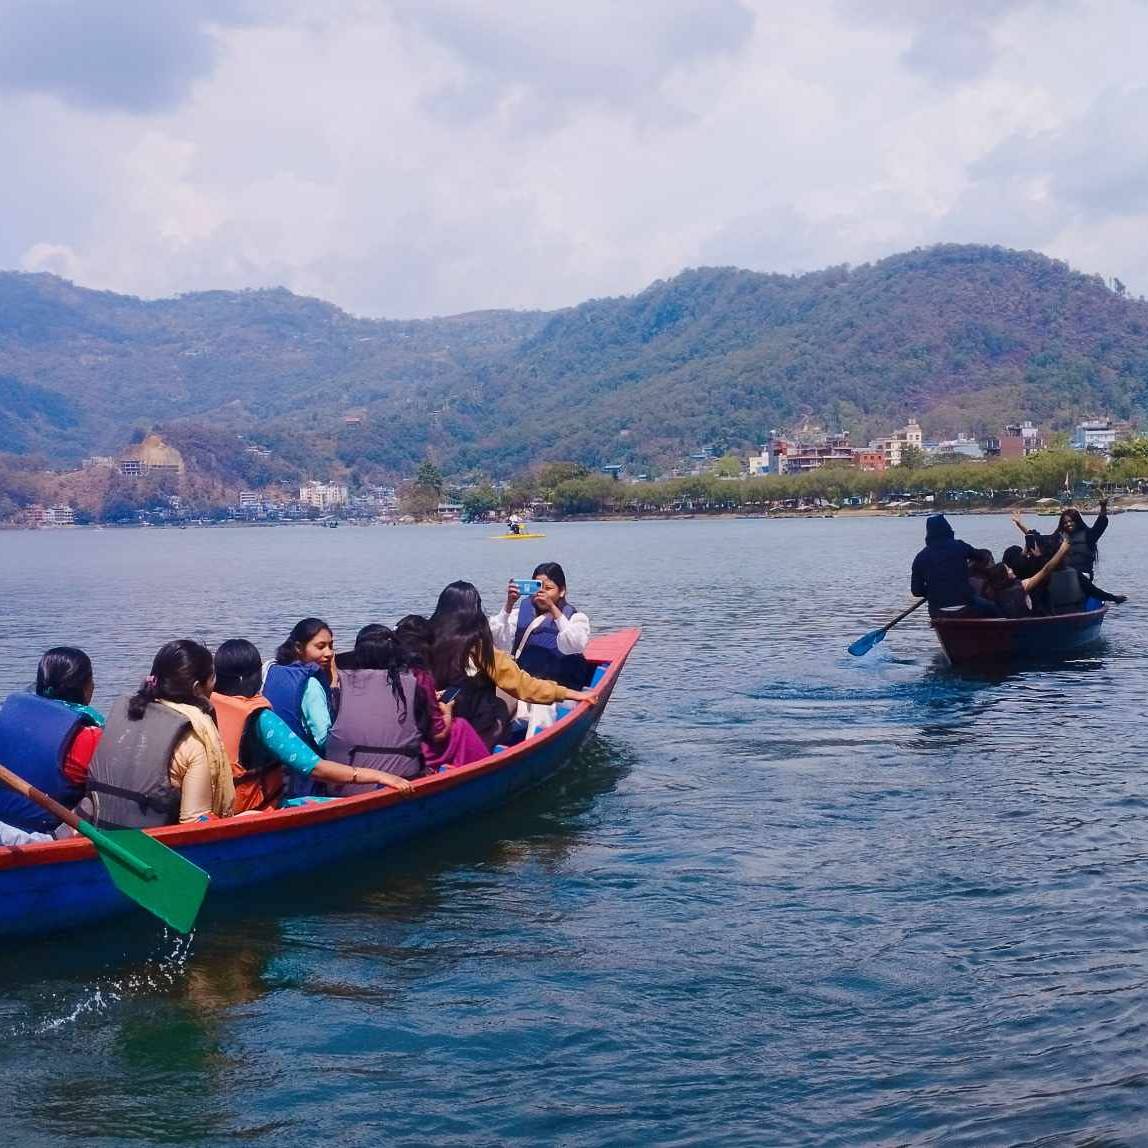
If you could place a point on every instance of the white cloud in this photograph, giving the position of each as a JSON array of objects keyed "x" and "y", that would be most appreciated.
[{"x": 428, "y": 156}]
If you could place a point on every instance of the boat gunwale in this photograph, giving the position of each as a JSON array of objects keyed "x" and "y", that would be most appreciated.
[
  {"x": 281, "y": 820},
  {"x": 1011, "y": 623}
]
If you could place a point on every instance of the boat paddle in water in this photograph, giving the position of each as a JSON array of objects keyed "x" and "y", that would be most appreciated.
[
  {"x": 865, "y": 644},
  {"x": 141, "y": 867}
]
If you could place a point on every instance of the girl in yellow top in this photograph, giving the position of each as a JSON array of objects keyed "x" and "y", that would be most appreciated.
[{"x": 469, "y": 670}]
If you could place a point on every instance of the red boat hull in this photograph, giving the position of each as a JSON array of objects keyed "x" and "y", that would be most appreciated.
[{"x": 966, "y": 640}]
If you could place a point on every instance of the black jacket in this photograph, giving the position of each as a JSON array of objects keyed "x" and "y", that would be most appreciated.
[{"x": 941, "y": 570}]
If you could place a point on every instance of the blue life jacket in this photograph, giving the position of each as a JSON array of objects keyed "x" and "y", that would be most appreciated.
[
  {"x": 541, "y": 657},
  {"x": 35, "y": 735},
  {"x": 284, "y": 688}
]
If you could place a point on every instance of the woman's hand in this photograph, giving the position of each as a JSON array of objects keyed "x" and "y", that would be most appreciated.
[
  {"x": 588, "y": 696},
  {"x": 512, "y": 595},
  {"x": 547, "y": 600},
  {"x": 381, "y": 777},
  {"x": 447, "y": 711}
]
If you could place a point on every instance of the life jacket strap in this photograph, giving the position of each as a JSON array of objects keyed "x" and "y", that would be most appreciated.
[
  {"x": 144, "y": 800},
  {"x": 400, "y": 750}
]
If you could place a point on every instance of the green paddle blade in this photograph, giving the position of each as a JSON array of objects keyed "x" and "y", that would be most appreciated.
[{"x": 151, "y": 874}]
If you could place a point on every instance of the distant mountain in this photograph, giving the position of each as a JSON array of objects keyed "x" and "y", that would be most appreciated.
[{"x": 963, "y": 337}]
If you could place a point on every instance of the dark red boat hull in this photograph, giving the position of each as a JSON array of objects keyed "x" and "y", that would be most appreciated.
[{"x": 966, "y": 640}]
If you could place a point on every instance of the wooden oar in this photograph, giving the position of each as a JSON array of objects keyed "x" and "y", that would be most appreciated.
[
  {"x": 865, "y": 644},
  {"x": 141, "y": 867}
]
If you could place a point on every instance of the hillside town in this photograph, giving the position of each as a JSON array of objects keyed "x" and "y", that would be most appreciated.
[{"x": 151, "y": 483}]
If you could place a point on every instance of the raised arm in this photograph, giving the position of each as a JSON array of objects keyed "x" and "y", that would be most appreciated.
[
  {"x": 1099, "y": 525},
  {"x": 1018, "y": 522}
]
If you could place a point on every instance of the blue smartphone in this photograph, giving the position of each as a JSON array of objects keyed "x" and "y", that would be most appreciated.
[
  {"x": 527, "y": 586},
  {"x": 449, "y": 694}
]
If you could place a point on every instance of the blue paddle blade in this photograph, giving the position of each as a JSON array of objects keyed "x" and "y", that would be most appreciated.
[{"x": 865, "y": 644}]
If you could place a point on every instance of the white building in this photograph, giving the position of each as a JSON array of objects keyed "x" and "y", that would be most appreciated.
[
  {"x": 323, "y": 496},
  {"x": 759, "y": 463},
  {"x": 909, "y": 435},
  {"x": 1094, "y": 434},
  {"x": 962, "y": 444}
]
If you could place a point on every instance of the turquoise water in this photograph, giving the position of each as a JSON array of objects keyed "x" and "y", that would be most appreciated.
[{"x": 785, "y": 896}]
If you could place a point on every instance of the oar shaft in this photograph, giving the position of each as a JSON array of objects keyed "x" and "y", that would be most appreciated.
[
  {"x": 16, "y": 782},
  {"x": 100, "y": 840},
  {"x": 901, "y": 617}
]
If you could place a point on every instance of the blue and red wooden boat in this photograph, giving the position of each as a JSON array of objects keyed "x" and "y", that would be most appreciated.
[
  {"x": 996, "y": 640},
  {"x": 60, "y": 884}
]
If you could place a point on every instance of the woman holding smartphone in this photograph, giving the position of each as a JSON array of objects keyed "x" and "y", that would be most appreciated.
[{"x": 542, "y": 631}]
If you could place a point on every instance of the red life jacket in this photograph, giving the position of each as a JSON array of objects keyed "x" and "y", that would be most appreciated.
[{"x": 258, "y": 776}]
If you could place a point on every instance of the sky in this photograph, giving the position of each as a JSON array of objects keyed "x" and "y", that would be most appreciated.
[{"x": 408, "y": 158}]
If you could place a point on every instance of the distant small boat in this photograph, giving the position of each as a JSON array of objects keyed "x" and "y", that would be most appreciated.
[
  {"x": 515, "y": 537},
  {"x": 996, "y": 640}
]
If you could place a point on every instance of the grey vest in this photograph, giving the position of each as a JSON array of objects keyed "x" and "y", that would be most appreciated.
[
  {"x": 372, "y": 730},
  {"x": 128, "y": 783}
]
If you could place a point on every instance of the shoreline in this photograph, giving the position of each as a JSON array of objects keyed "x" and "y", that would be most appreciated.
[{"x": 668, "y": 516}]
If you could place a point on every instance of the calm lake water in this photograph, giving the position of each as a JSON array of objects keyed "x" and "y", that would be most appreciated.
[{"x": 785, "y": 897}]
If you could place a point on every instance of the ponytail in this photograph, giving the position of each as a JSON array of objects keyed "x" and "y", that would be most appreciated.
[
  {"x": 302, "y": 632},
  {"x": 176, "y": 670}
]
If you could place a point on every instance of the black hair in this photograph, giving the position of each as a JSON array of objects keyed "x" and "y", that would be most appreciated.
[
  {"x": 176, "y": 670},
  {"x": 1073, "y": 516},
  {"x": 238, "y": 669},
  {"x": 999, "y": 576},
  {"x": 416, "y": 635},
  {"x": 461, "y": 635},
  {"x": 377, "y": 648},
  {"x": 457, "y": 598},
  {"x": 552, "y": 571},
  {"x": 300, "y": 635},
  {"x": 1014, "y": 558},
  {"x": 64, "y": 674},
  {"x": 982, "y": 559}
]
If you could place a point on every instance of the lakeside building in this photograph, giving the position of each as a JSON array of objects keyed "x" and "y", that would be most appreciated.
[
  {"x": 250, "y": 500},
  {"x": 152, "y": 456},
  {"x": 323, "y": 496},
  {"x": 1094, "y": 434},
  {"x": 1018, "y": 441},
  {"x": 909, "y": 435},
  {"x": 867, "y": 458},
  {"x": 962, "y": 445},
  {"x": 50, "y": 516},
  {"x": 811, "y": 449}
]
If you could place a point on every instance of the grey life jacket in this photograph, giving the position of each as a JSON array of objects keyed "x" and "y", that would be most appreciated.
[
  {"x": 128, "y": 783},
  {"x": 1065, "y": 593},
  {"x": 374, "y": 729},
  {"x": 1080, "y": 555}
]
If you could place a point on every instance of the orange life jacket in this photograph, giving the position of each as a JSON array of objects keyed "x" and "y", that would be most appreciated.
[{"x": 259, "y": 778}]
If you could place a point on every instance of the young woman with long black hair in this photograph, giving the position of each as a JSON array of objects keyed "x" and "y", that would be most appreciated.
[
  {"x": 161, "y": 758},
  {"x": 49, "y": 736},
  {"x": 464, "y": 661},
  {"x": 263, "y": 750},
  {"x": 302, "y": 686}
]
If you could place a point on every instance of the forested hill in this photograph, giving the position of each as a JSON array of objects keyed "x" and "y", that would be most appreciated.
[{"x": 962, "y": 337}]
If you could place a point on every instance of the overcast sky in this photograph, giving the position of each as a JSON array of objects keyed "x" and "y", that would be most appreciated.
[{"x": 416, "y": 157}]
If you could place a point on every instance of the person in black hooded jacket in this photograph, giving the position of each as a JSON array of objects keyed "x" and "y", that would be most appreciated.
[{"x": 941, "y": 572}]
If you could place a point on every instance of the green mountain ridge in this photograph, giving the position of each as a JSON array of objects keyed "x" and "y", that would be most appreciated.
[{"x": 963, "y": 337}]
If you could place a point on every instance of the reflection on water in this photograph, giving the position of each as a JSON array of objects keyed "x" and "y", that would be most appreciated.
[{"x": 787, "y": 896}]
